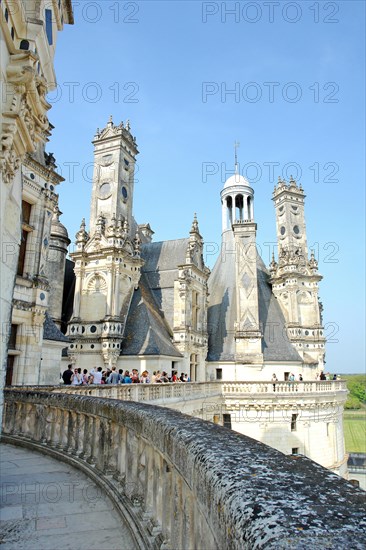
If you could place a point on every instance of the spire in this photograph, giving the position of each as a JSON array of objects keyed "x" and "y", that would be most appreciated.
[
  {"x": 236, "y": 145},
  {"x": 82, "y": 236},
  {"x": 56, "y": 213},
  {"x": 194, "y": 228}
]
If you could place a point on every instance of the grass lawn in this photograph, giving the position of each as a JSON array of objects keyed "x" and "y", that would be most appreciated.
[{"x": 354, "y": 423}]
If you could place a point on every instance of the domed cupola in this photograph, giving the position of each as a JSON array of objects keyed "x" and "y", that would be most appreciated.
[
  {"x": 236, "y": 200},
  {"x": 58, "y": 230}
]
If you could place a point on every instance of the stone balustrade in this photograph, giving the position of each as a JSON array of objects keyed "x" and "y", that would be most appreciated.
[
  {"x": 198, "y": 390},
  {"x": 312, "y": 386},
  {"x": 182, "y": 483}
]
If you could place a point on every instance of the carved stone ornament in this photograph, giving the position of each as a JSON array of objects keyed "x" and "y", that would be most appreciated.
[{"x": 24, "y": 114}]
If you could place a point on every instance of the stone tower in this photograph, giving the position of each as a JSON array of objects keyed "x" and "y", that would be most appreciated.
[
  {"x": 59, "y": 242},
  {"x": 107, "y": 259},
  {"x": 295, "y": 278},
  {"x": 239, "y": 238},
  {"x": 190, "y": 306},
  {"x": 115, "y": 153}
]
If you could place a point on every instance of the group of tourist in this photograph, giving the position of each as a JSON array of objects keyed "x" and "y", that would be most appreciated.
[
  {"x": 291, "y": 378},
  {"x": 77, "y": 377}
]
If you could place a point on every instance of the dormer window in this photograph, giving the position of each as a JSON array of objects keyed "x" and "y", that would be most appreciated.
[{"x": 48, "y": 17}]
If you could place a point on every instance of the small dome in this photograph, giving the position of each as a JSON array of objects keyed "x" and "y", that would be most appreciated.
[
  {"x": 236, "y": 181},
  {"x": 57, "y": 228}
]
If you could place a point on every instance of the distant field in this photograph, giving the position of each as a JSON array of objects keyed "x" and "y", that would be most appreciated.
[{"x": 355, "y": 431}]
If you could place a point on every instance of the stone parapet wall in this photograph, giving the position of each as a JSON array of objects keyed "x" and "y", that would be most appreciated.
[
  {"x": 190, "y": 484},
  {"x": 187, "y": 390}
]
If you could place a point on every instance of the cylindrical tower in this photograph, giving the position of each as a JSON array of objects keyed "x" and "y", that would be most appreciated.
[
  {"x": 236, "y": 202},
  {"x": 59, "y": 241}
]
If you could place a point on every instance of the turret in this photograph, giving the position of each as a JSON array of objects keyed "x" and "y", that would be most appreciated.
[
  {"x": 294, "y": 277},
  {"x": 115, "y": 152},
  {"x": 59, "y": 242},
  {"x": 239, "y": 238}
]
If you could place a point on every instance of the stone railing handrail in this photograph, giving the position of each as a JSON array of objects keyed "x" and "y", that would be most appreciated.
[
  {"x": 284, "y": 387},
  {"x": 184, "y": 483},
  {"x": 198, "y": 390}
]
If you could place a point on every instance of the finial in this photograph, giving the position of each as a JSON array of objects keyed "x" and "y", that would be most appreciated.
[
  {"x": 82, "y": 236},
  {"x": 57, "y": 212},
  {"x": 236, "y": 145},
  {"x": 110, "y": 121},
  {"x": 194, "y": 223},
  {"x": 137, "y": 243}
]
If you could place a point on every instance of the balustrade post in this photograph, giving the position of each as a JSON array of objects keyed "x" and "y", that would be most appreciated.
[
  {"x": 111, "y": 453},
  {"x": 72, "y": 432},
  {"x": 131, "y": 463},
  {"x": 121, "y": 450},
  {"x": 29, "y": 420},
  {"x": 40, "y": 422},
  {"x": 166, "y": 499},
  {"x": 83, "y": 443},
  {"x": 176, "y": 529},
  {"x": 93, "y": 440},
  {"x": 19, "y": 419},
  {"x": 9, "y": 417},
  {"x": 47, "y": 433},
  {"x": 57, "y": 428},
  {"x": 188, "y": 526},
  {"x": 148, "y": 488},
  {"x": 64, "y": 435},
  {"x": 79, "y": 434}
]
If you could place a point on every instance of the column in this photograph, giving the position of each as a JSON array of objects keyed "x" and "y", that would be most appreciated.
[
  {"x": 224, "y": 214},
  {"x": 77, "y": 297},
  {"x": 245, "y": 203},
  {"x": 110, "y": 292},
  {"x": 115, "y": 310}
]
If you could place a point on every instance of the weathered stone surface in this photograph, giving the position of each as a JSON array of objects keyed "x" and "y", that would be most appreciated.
[
  {"x": 242, "y": 494},
  {"x": 46, "y": 504}
]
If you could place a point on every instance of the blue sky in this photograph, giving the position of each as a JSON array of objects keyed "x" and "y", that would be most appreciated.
[{"x": 285, "y": 79}]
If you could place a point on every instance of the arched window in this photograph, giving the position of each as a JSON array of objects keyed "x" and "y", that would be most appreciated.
[
  {"x": 195, "y": 310},
  {"x": 24, "y": 45},
  {"x": 239, "y": 206},
  {"x": 229, "y": 211},
  {"x": 249, "y": 205},
  {"x": 193, "y": 367}
]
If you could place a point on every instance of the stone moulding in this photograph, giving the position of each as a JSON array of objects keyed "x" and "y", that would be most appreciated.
[{"x": 187, "y": 483}]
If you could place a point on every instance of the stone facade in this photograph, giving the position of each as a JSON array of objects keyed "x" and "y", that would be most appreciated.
[
  {"x": 36, "y": 281},
  {"x": 295, "y": 277},
  {"x": 186, "y": 483},
  {"x": 28, "y": 40},
  {"x": 115, "y": 259}
]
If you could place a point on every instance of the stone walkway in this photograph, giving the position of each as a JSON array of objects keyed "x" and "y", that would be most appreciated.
[{"x": 48, "y": 505}]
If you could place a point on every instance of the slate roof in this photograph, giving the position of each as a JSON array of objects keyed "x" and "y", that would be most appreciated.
[
  {"x": 147, "y": 332},
  {"x": 151, "y": 315},
  {"x": 52, "y": 332},
  {"x": 222, "y": 315},
  {"x": 161, "y": 261}
]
